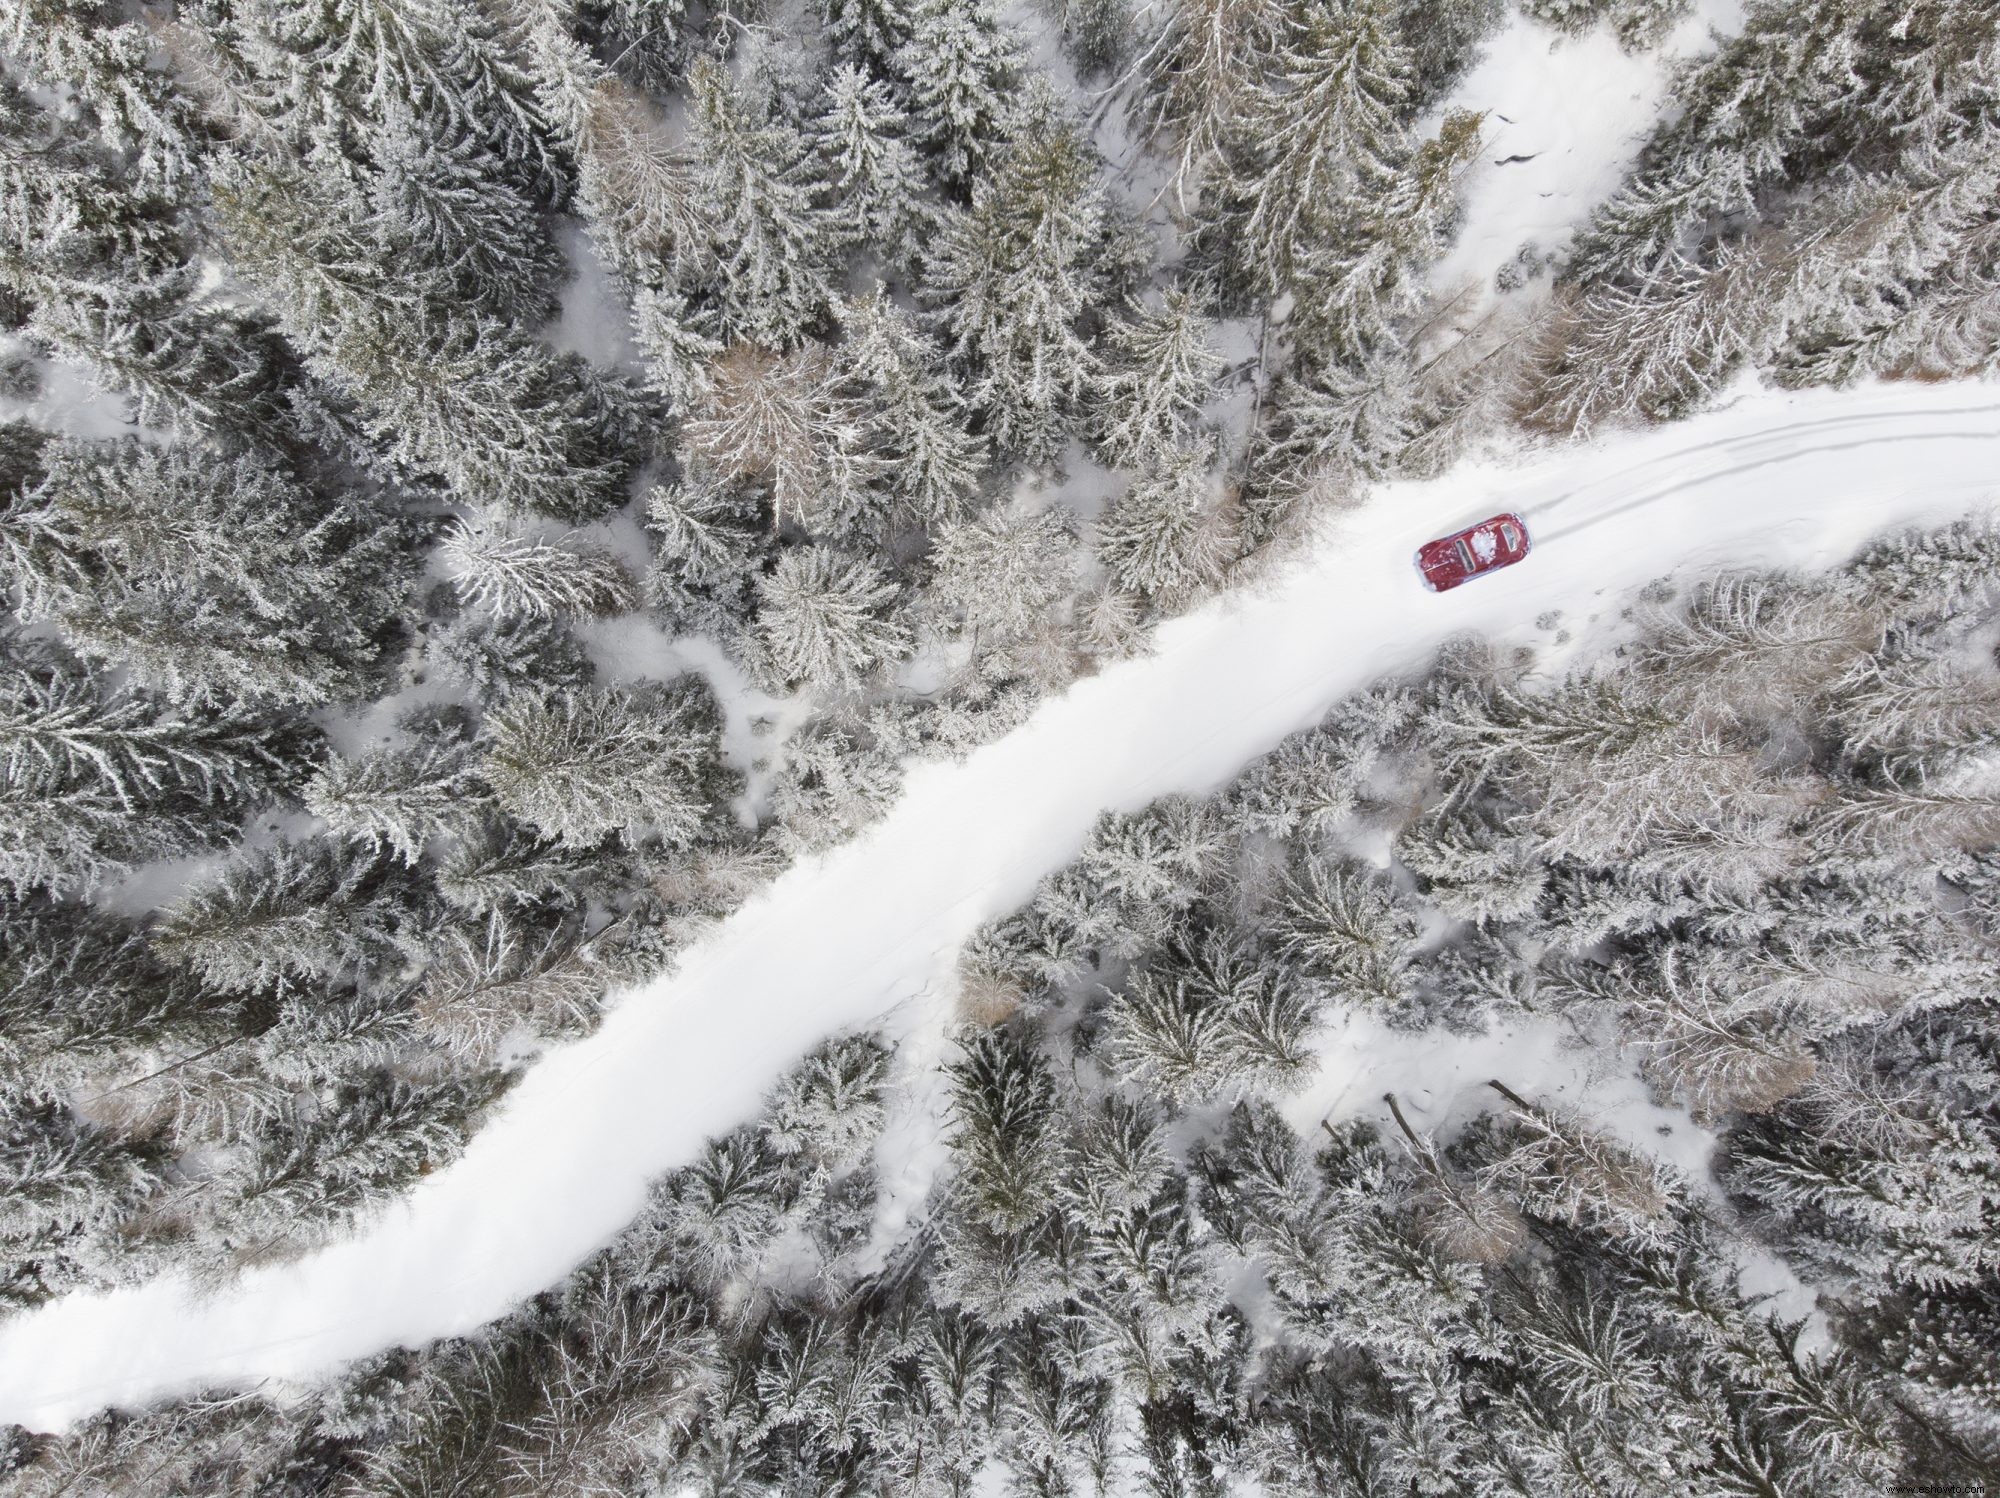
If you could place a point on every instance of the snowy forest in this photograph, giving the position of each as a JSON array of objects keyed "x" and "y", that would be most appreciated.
[
  {"x": 1757, "y": 846},
  {"x": 488, "y": 485}
]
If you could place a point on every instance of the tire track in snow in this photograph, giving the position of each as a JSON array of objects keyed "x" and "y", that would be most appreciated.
[{"x": 870, "y": 930}]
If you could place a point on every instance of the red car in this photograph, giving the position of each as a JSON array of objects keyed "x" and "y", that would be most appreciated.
[{"x": 1488, "y": 546}]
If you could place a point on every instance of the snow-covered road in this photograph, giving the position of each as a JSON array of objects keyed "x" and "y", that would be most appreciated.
[{"x": 871, "y": 930}]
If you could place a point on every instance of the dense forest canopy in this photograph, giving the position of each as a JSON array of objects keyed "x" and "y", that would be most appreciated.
[
  {"x": 958, "y": 345},
  {"x": 1758, "y": 848}
]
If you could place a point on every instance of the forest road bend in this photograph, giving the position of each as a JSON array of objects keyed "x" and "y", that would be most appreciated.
[
  {"x": 1736, "y": 470},
  {"x": 1781, "y": 437}
]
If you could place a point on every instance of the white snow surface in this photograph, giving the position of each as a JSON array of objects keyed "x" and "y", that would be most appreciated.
[
  {"x": 1565, "y": 117},
  {"x": 867, "y": 934}
]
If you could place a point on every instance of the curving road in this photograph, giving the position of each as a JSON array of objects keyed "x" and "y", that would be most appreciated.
[{"x": 868, "y": 933}]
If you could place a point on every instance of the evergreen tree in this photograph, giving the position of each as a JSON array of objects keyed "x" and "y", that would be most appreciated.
[
  {"x": 1444, "y": 38},
  {"x": 1009, "y": 1130},
  {"x": 678, "y": 342},
  {"x": 1343, "y": 929},
  {"x": 501, "y": 657},
  {"x": 94, "y": 777},
  {"x": 914, "y": 416},
  {"x": 829, "y": 1107},
  {"x": 1202, "y": 68},
  {"x": 873, "y": 171},
  {"x": 106, "y": 267},
  {"x": 1159, "y": 373},
  {"x": 468, "y": 400},
  {"x": 706, "y": 545},
  {"x": 580, "y": 766},
  {"x": 1657, "y": 351},
  {"x": 1330, "y": 142},
  {"x": 314, "y": 911},
  {"x": 772, "y": 234},
  {"x": 210, "y": 578},
  {"x": 1012, "y": 279},
  {"x": 444, "y": 199},
  {"x": 486, "y": 983},
  {"x": 868, "y": 33},
  {"x": 316, "y": 1169},
  {"x": 515, "y": 578},
  {"x": 960, "y": 70},
  {"x": 66, "y": 1182},
  {"x": 824, "y": 619},
  {"x": 1166, "y": 536},
  {"x": 402, "y": 798},
  {"x": 1563, "y": 1169},
  {"x": 1001, "y": 575},
  {"x": 780, "y": 421}
]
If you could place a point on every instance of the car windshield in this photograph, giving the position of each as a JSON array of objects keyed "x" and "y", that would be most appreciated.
[{"x": 1464, "y": 552}]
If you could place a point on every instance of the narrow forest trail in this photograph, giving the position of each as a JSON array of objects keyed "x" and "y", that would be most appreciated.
[{"x": 869, "y": 932}]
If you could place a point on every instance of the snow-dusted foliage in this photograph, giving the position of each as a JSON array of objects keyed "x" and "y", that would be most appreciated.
[
  {"x": 578, "y": 766},
  {"x": 1819, "y": 205},
  {"x": 1139, "y": 1269},
  {"x": 482, "y": 364}
]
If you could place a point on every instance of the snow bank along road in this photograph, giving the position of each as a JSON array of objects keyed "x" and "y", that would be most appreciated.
[{"x": 848, "y": 938}]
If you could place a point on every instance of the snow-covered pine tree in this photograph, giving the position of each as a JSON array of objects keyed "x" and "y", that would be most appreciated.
[
  {"x": 1009, "y": 1129},
  {"x": 471, "y": 400},
  {"x": 102, "y": 63},
  {"x": 315, "y": 1168},
  {"x": 722, "y": 1210},
  {"x": 824, "y": 619},
  {"x": 106, "y": 269},
  {"x": 1096, "y": 34},
  {"x": 83, "y": 995},
  {"x": 643, "y": 762},
  {"x": 513, "y": 577},
  {"x": 1365, "y": 287},
  {"x": 1121, "y": 1159},
  {"x": 706, "y": 541},
  {"x": 1343, "y": 929},
  {"x": 1160, "y": 369},
  {"x": 403, "y": 797},
  {"x": 1001, "y": 576},
  {"x": 916, "y": 418},
  {"x": 443, "y": 198},
  {"x": 319, "y": 911},
  {"x": 640, "y": 190},
  {"x": 1200, "y": 72},
  {"x": 1330, "y": 143},
  {"x": 772, "y": 231},
  {"x": 499, "y": 657},
  {"x": 1638, "y": 24},
  {"x": 1011, "y": 280},
  {"x": 1657, "y": 350},
  {"x": 1759, "y": 646},
  {"x": 1444, "y": 38},
  {"x": 829, "y": 1107},
  {"x": 94, "y": 777},
  {"x": 1167, "y": 537},
  {"x": 1561, "y": 1167},
  {"x": 63, "y": 1182},
  {"x": 868, "y": 33},
  {"x": 207, "y": 576},
  {"x": 874, "y": 173},
  {"x": 961, "y": 71},
  {"x": 679, "y": 341},
  {"x": 516, "y": 968},
  {"x": 781, "y": 421}
]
